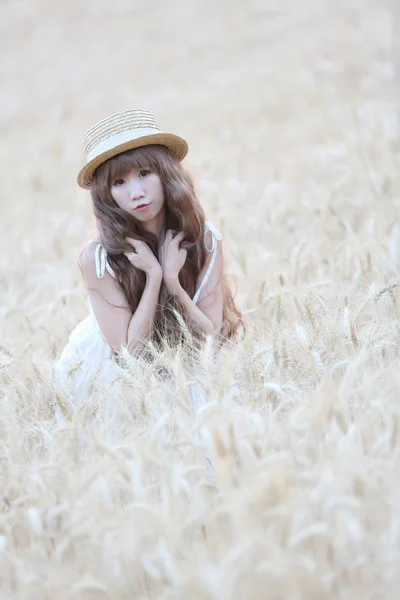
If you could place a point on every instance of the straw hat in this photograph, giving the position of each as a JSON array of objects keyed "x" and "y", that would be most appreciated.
[{"x": 124, "y": 131}]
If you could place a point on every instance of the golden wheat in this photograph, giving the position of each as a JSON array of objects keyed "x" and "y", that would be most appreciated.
[{"x": 284, "y": 484}]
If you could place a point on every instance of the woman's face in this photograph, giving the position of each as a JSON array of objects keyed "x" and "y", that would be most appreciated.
[{"x": 140, "y": 193}]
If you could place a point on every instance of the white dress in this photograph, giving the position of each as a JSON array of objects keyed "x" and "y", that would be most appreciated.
[{"x": 88, "y": 355}]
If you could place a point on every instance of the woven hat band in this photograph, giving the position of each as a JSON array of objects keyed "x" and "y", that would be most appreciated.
[
  {"x": 118, "y": 139},
  {"x": 117, "y": 123}
]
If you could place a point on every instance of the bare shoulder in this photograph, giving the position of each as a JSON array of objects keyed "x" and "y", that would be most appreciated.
[
  {"x": 212, "y": 238},
  {"x": 210, "y": 241},
  {"x": 214, "y": 254},
  {"x": 212, "y": 232},
  {"x": 103, "y": 286},
  {"x": 86, "y": 259}
]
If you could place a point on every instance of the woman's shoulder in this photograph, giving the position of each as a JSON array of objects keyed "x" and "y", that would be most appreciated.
[
  {"x": 93, "y": 261},
  {"x": 212, "y": 236},
  {"x": 87, "y": 255}
]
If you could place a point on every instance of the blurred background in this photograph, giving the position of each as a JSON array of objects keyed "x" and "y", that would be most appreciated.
[{"x": 290, "y": 110}]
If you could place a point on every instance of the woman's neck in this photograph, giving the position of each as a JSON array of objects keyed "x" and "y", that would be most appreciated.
[{"x": 156, "y": 225}]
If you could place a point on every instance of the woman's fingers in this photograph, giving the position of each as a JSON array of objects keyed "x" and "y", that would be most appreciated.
[
  {"x": 179, "y": 237},
  {"x": 169, "y": 235},
  {"x": 134, "y": 243}
]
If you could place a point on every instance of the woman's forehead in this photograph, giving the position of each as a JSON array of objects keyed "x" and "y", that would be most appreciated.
[{"x": 124, "y": 163}]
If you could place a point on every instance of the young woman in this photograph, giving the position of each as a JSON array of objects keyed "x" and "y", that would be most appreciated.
[{"x": 154, "y": 263}]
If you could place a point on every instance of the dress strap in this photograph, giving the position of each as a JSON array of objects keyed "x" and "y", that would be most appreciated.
[
  {"x": 215, "y": 238},
  {"x": 100, "y": 257}
]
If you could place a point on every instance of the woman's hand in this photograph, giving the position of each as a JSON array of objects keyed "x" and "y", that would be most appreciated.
[
  {"x": 172, "y": 257},
  {"x": 142, "y": 257}
]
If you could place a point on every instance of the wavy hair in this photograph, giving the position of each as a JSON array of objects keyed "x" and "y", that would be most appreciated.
[{"x": 182, "y": 212}]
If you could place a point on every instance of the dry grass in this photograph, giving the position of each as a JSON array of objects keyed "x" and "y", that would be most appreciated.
[{"x": 291, "y": 111}]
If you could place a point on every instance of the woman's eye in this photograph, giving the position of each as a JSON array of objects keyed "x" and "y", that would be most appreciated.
[
  {"x": 118, "y": 182},
  {"x": 144, "y": 172}
]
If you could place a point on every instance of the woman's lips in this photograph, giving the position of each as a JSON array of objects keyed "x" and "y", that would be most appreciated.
[{"x": 142, "y": 207}]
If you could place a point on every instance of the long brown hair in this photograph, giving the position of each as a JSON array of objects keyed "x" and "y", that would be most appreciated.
[{"x": 183, "y": 212}]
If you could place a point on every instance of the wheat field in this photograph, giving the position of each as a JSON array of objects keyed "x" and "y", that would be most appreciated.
[{"x": 285, "y": 484}]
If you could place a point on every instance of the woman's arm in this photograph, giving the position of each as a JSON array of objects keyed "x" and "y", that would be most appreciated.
[
  {"x": 142, "y": 320},
  {"x": 118, "y": 325},
  {"x": 208, "y": 312}
]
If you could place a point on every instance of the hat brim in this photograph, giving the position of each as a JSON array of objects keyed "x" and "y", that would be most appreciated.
[{"x": 176, "y": 145}]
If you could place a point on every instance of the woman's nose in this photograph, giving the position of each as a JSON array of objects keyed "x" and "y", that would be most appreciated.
[{"x": 136, "y": 190}]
